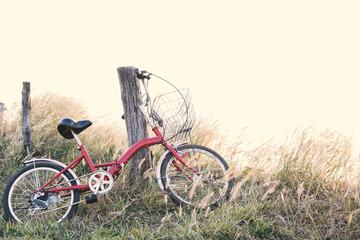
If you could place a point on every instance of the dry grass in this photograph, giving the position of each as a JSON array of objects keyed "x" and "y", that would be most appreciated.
[
  {"x": 306, "y": 185},
  {"x": 305, "y": 188}
]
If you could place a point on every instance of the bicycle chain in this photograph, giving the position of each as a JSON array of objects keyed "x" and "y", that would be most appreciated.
[
  {"x": 77, "y": 178},
  {"x": 69, "y": 205}
]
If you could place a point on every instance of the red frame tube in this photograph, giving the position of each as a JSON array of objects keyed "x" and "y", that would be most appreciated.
[
  {"x": 71, "y": 165},
  {"x": 117, "y": 165}
]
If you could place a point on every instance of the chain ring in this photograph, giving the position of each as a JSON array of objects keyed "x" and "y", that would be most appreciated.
[{"x": 100, "y": 182}]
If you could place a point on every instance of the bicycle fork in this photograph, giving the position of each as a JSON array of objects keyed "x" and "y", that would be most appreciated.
[{"x": 180, "y": 159}]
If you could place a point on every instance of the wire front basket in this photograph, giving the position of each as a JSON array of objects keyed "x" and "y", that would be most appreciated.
[{"x": 174, "y": 112}]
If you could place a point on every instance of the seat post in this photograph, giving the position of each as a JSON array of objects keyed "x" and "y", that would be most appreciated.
[{"x": 76, "y": 138}]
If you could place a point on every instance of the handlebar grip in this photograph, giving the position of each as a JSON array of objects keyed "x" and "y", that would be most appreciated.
[{"x": 142, "y": 74}]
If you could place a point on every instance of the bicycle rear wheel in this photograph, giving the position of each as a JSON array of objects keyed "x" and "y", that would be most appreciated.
[
  {"x": 23, "y": 202},
  {"x": 205, "y": 188}
]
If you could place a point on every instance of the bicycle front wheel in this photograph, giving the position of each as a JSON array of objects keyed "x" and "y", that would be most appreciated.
[
  {"x": 203, "y": 183},
  {"x": 23, "y": 202}
]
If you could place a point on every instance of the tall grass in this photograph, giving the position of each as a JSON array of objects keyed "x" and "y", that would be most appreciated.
[{"x": 304, "y": 188}]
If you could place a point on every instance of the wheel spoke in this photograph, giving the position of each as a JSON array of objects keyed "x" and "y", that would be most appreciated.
[
  {"x": 23, "y": 208},
  {"x": 208, "y": 184}
]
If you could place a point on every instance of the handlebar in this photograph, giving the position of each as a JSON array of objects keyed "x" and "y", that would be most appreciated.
[{"x": 142, "y": 74}]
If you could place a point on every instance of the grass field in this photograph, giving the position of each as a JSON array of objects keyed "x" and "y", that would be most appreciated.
[{"x": 305, "y": 188}]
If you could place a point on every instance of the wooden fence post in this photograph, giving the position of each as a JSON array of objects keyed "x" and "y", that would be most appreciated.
[
  {"x": 26, "y": 130},
  {"x": 2, "y": 109},
  {"x": 134, "y": 119}
]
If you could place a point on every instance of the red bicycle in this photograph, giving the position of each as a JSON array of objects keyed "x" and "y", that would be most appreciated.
[{"x": 47, "y": 190}]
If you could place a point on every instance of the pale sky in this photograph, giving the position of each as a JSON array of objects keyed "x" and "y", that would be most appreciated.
[{"x": 267, "y": 66}]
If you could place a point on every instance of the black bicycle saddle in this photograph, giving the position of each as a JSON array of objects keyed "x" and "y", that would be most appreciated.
[{"x": 67, "y": 124}]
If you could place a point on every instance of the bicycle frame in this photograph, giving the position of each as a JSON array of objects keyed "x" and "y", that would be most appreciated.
[{"x": 117, "y": 165}]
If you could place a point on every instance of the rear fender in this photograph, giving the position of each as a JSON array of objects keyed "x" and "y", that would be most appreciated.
[
  {"x": 31, "y": 161},
  {"x": 161, "y": 160}
]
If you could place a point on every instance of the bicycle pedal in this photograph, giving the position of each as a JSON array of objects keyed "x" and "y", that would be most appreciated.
[{"x": 91, "y": 199}]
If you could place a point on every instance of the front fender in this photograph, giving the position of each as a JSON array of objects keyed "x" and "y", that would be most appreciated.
[
  {"x": 161, "y": 160},
  {"x": 31, "y": 161}
]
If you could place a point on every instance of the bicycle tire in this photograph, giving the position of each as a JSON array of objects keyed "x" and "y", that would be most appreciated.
[
  {"x": 198, "y": 191},
  {"x": 18, "y": 205}
]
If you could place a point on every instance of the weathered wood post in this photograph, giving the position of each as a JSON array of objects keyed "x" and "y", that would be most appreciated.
[
  {"x": 134, "y": 119},
  {"x": 2, "y": 109},
  {"x": 26, "y": 130}
]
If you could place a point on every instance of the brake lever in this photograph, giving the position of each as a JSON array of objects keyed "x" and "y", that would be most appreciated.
[{"x": 141, "y": 74}]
